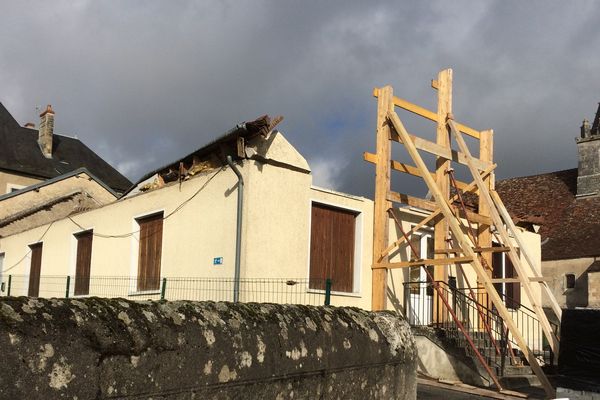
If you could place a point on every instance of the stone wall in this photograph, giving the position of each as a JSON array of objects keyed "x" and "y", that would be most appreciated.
[
  {"x": 101, "y": 348},
  {"x": 594, "y": 289}
]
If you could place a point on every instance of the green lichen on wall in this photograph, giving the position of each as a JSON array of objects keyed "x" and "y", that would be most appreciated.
[{"x": 112, "y": 348}]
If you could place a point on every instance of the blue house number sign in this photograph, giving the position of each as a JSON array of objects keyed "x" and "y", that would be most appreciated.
[{"x": 218, "y": 261}]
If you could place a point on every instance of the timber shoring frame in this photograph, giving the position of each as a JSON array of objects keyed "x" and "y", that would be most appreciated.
[{"x": 492, "y": 218}]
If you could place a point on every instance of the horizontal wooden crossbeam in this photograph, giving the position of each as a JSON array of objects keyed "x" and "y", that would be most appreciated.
[
  {"x": 416, "y": 263},
  {"x": 430, "y": 115},
  {"x": 431, "y": 206},
  {"x": 458, "y": 250},
  {"x": 441, "y": 151},
  {"x": 518, "y": 280},
  {"x": 405, "y": 168}
]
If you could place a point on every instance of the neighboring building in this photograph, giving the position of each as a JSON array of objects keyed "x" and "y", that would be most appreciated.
[
  {"x": 29, "y": 156},
  {"x": 564, "y": 206},
  {"x": 52, "y": 199}
]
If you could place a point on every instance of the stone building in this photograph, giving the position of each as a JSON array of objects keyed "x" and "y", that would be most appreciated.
[{"x": 564, "y": 207}]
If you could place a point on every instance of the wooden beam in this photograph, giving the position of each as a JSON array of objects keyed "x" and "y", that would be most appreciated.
[
  {"x": 405, "y": 168},
  {"x": 518, "y": 280},
  {"x": 484, "y": 194},
  {"x": 484, "y": 233},
  {"x": 441, "y": 151},
  {"x": 457, "y": 250},
  {"x": 416, "y": 263},
  {"x": 431, "y": 217},
  {"x": 381, "y": 204},
  {"x": 423, "y": 112},
  {"x": 509, "y": 222},
  {"x": 464, "y": 243},
  {"x": 431, "y": 206}
]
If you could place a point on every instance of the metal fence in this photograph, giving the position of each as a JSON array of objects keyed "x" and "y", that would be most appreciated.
[{"x": 260, "y": 290}]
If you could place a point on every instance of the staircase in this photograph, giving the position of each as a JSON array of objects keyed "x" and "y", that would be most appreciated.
[{"x": 486, "y": 330}]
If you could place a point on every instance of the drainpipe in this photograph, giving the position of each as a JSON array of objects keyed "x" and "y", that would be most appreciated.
[{"x": 238, "y": 236}]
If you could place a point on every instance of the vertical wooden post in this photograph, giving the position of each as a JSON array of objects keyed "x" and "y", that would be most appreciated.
[
  {"x": 444, "y": 87},
  {"x": 484, "y": 233},
  {"x": 382, "y": 187}
]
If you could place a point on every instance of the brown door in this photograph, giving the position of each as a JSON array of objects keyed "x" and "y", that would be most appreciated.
[
  {"x": 83, "y": 263},
  {"x": 513, "y": 290},
  {"x": 151, "y": 229},
  {"x": 332, "y": 247},
  {"x": 35, "y": 270}
]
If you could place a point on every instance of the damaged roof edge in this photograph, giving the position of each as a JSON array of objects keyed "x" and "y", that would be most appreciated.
[{"x": 247, "y": 130}]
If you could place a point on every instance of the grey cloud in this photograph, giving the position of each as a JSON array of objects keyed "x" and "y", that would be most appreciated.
[{"x": 144, "y": 82}]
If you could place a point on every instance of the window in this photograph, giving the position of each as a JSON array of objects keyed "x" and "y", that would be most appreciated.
[
  {"x": 502, "y": 267},
  {"x": 423, "y": 245},
  {"x": 332, "y": 247},
  {"x": 569, "y": 281},
  {"x": 35, "y": 270},
  {"x": 83, "y": 262},
  {"x": 150, "y": 252}
]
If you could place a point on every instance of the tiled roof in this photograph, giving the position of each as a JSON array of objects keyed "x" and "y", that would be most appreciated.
[
  {"x": 20, "y": 153},
  {"x": 569, "y": 226}
]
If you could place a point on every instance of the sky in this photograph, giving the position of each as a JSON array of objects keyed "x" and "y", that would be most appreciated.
[{"x": 143, "y": 83}]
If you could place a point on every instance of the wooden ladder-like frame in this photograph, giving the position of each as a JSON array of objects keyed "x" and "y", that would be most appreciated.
[{"x": 447, "y": 219}]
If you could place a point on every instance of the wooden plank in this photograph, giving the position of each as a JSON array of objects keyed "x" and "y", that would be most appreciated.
[
  {"x": 464, "y": 243},
  {"x": 510, "y": 224},
  {"x": 484, "y": 233},
  {"x": 423, "y": 112},
  {"x": 431, "y": 206},
  {"x": 432, "y": 261},
  {"x": 442, "y": 180},
  {"x": 457, "y": 250},
  {"x": 405, "y": 168},
  {"x": 381, "y": 204},
  {"x": 484, "y": 393},
  {"x": 518, "y": 280},
  {"x": 431, "y": 217},
  {"x": 485, "y": 195},
  {"x": 441, "y": 151}
]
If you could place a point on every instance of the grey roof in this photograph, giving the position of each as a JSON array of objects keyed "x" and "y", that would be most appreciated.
[{"x": 20, "y": 153}]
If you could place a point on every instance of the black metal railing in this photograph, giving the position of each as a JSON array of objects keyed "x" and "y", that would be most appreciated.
[
  {"x": 261, "y": 290},
  {"x": 483, "y": 323}
]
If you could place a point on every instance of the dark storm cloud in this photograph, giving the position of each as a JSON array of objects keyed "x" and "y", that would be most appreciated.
[{"x": 144, "y": 82}]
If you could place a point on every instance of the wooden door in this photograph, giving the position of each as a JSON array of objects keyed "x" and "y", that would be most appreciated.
[
  {"x": 332, "y": 247},
  {"x": 150, "y": 252},
  {"x": 83, "y": 262},
  {"x": 35, "y": 270}
]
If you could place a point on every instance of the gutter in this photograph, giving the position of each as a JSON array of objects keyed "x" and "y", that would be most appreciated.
[{"x": 238, "y": 236}]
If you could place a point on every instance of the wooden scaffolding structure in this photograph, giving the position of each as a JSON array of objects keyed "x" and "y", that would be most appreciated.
[{"x": 449, "y": 220}]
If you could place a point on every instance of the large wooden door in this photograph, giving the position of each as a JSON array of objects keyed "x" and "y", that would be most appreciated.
[
  {"x": 35, "y": 270},
  {"x": 150, "y": 252},
  {"x": 332, "y": 247},
  {"x": 83, "y": 262}
]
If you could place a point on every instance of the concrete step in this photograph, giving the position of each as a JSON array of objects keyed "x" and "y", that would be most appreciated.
[
  {"x": 519, "y": 381},
  {"x": 516, "y": 370}
]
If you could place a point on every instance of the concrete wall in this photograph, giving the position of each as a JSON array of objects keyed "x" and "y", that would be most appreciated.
[
  {"x": 98, "y": 348},
  {"x": 9, "y": 179},
  {"x": 555, "y": 270}
]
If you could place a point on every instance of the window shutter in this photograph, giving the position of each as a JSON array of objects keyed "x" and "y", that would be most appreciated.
[
  {"x": 35, "y": 270},
  {"x": 83, "y": 262},
  {"x": 150, "y": 252}
]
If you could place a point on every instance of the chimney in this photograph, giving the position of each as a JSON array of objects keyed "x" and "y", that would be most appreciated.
[
  {"x": 46, "y": 131},
  {"x": 588, "y": 147}
]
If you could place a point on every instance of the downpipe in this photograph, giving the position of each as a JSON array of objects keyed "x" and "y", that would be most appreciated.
[{"x": 238, "y": 235}]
